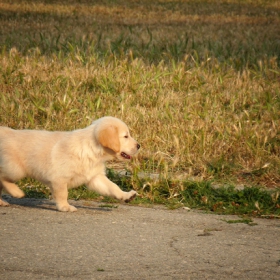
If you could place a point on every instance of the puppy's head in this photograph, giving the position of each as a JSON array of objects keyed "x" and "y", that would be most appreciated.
[{"x": 113, "y": 135}]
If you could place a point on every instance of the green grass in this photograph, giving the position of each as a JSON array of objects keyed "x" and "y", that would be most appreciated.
[
  {"x": 247, "y": 221},
  {"x": 253, "y": 201},
  {"x": 196, "y": 81}
]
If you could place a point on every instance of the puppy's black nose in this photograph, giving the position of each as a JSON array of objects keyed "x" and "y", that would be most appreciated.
[{"x": 138, "y": 146}]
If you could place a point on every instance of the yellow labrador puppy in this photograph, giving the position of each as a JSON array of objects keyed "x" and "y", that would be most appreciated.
[{"x": 64, "y": 160}]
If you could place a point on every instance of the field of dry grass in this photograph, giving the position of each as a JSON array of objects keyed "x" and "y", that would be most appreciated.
[{"x": 198, "y": 82}]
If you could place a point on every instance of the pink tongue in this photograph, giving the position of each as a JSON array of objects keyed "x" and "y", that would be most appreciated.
[{"x": 125, "y": 155}]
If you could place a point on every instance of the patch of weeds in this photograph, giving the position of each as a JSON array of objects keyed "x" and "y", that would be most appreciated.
[
  {"x": 36, "y": 192},
  {"x": 211, "y": 229},
  {"x": 34, "y": 189},
  {"x": 108, "y": 206},
  {"x": 123, "y": 181},
  {"x": 82, "y": 193},
  {"x": 207, "y": 231},
  {"x": 228, "y": 200},
  {"x": 205, "y": 234},
  {"x": 174, "y": 194},
  {"x": 142, "y": 201},
  {"x": 248, "y": 221},
  {"x": 221, "y": 166},
  {"x": 200, "y": 195},
  {"x": 108, "y": 199},
  {"x": 100, "y": 269},
  {"x": 173, "y": 204}
]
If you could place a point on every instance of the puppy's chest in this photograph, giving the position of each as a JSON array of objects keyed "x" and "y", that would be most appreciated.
[{"x": 87, "y": 169}]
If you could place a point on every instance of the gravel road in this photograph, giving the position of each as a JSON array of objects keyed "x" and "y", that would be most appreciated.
[{"x": 129, "y": 242}]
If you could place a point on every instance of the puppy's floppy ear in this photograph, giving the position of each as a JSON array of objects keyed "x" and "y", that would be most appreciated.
[{"x": 109, "y": 138}]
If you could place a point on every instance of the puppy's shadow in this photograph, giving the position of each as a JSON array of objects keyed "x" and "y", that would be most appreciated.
[{"x": 47, "y": 204}]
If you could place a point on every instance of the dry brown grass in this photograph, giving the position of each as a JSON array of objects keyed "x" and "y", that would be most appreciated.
[{"x": 197, "y": 82}]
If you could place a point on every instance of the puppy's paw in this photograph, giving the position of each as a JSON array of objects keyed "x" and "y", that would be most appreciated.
[
  {"x": 67, "y": 208},
  {"x": 18, "y": 193},
  {"x": 130, "y": 196},
  {"x": 4, "y": 203},
  {"x": 13, "y": 190}
]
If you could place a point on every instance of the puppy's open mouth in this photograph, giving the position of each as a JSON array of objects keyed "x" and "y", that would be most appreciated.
[{"x": 126, "y": 156}]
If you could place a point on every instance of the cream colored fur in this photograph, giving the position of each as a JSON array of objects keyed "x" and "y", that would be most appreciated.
[{"x": 64, "y": 160}]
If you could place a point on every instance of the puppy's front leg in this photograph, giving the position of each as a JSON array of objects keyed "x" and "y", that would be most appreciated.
[
  {"x": 104, "y": 186},
  {"x": 60, "y": 195}
]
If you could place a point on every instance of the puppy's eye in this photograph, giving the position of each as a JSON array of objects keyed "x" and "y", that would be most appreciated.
[{"x": 126, "y": 136}]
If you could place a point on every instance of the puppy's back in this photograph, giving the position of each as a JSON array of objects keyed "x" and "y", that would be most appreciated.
[{"x": 22, "y": 152}]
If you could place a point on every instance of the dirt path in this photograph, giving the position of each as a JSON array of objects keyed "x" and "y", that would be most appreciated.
[{"x": 127, "y": 242}]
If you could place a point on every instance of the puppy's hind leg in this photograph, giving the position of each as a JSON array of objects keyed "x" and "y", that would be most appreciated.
[
  {"x": 60, "y": 195},
  {"x": 10, "y": 188},
  {"x": 2, "y": 201}
]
